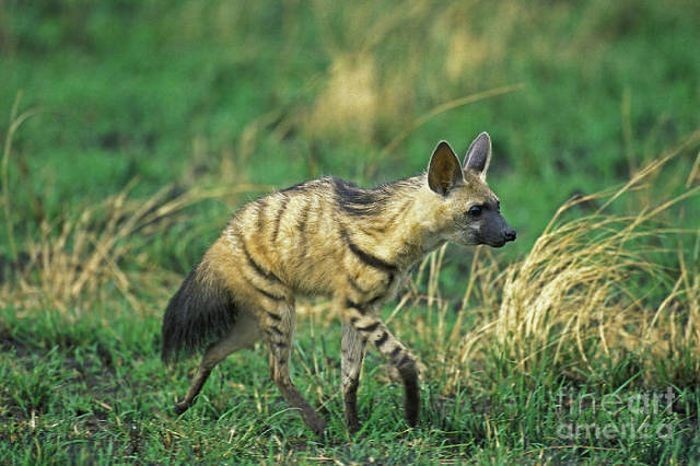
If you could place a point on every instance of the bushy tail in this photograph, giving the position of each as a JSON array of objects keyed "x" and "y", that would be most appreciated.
[{"x": 201, "y": 312}]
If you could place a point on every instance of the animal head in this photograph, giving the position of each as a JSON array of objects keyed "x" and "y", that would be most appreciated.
[{"x": 466, "y": 210}]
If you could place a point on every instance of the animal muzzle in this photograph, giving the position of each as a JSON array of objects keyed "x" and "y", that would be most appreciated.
[
  {"x": 495, "y": 231},
  {"x": 502, "y": 236}
]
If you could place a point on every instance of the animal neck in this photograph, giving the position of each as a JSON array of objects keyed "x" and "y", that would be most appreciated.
[{"x": 406, "y": 229}]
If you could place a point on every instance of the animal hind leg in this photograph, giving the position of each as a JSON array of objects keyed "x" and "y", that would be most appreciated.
[
  {"x": 278, "y": 327},
  {"x": 244, "y": 334},
  {"x": 352, "y": 355}
]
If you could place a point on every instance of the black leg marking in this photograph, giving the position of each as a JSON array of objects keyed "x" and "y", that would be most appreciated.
[
  {"x": 397, "y": 355},
  {"x": 404, "y": 360},
  {"x": 381, "y": 340},
  {"x": 276, "y": 330},
  {"x": 279, "y": 370},
  {"x": 280, "y": 346},
  {"x": 352, "y": 348},
  {"x": 369, "y": 328},
  {"x": 354, "y": 305},
  {"x": 412, "y": 394}
]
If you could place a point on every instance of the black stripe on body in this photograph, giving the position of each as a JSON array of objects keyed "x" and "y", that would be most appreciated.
[
  {"x": 273, "y": 316},
  {"x": 304, "y": 217},
  {"x": 301, "y": 227},
  {"x": 262, "y": 205},
  {"x": 278, "y": 218},
  {"x": 389, "y": 223},
  {"x": 266, "y": 293},
  {"x": 356, "y": 286},
  {"x": 395, "y": 352},
  {"x": 257, "y": 267},
  {"x": 367, "y": 258},
  {"x": 379, "y": 225}
]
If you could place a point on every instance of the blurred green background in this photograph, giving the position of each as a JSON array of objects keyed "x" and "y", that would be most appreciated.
[
  {"x": 220, "y": 101},
  {"x": 219, "y": 93}
]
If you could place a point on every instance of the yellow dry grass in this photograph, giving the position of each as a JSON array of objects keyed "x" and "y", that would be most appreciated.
[
  {"x": 73, "y": 262},
  {"x": 76, "y": 263},
  {"x": 593, "y": 287},
  {"x": 349, "y": 102}
]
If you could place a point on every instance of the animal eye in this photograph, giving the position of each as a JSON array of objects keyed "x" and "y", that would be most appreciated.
[{"x": 474, "y": 211}]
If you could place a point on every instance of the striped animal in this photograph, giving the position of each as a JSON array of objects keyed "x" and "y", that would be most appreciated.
[{"x": 329, "y": 237}]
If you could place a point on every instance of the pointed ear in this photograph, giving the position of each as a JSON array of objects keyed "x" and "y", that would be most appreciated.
[
  {"x": 479, "y": 155},
  {"x": 444, "y": 171}
]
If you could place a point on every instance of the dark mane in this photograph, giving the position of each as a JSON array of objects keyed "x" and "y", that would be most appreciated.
[{"x": 373, "y": 201}]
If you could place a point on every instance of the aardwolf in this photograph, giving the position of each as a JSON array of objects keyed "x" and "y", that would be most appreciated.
[{"x": 329, "y": 237}]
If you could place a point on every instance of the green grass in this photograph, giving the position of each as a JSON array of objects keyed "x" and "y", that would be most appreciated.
[
  {"x": 228, "y": 100},
  {"x": 166, "y": 92},
  {"x": 96, "y": 392}
]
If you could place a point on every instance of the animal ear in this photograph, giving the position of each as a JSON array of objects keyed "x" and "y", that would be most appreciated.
[
  {"x": 444, "y": 171},
  {"x": 479, "y": 155}
]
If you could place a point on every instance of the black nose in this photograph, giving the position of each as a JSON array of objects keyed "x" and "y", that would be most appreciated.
[{"x": 510, "y": 235}]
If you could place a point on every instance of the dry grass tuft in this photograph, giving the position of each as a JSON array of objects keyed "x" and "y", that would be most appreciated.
[
  {"x": 73, "y": 263},
  {"x": 350, "y": 101},
  {"x": 76, "y": 263},
  {"x": 594, "y": 289},
  {"x": 590, "y": 286}
]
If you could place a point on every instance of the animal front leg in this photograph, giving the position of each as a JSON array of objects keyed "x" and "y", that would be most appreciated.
[
  {"x": 278, "y": 328},
  {"x": 352, "y": 355},
  {"x": 372, "y": 329}
]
